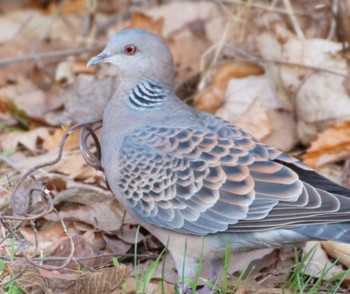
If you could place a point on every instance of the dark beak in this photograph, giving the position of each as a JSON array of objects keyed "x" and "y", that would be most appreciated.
[{"x": 98, "y": 58}]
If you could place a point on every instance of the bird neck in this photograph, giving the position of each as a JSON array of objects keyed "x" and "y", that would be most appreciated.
[
  {"x": 143, "y": 95},
  {"x": 147, "y": 94}
]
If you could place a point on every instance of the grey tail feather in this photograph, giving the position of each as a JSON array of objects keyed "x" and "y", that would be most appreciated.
[{"x": 339, "y": 232}]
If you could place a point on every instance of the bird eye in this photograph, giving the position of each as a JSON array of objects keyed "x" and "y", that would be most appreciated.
[{"x": 130, "y": 49}]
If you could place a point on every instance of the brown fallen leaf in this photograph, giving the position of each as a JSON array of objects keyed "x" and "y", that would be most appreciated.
[
  {"x": 41, "y": 281},
  {"x": 92, "y": 93},
  {"x": 283, "y": 133},
  {"x": 79, "y": 67},
  {"x": 308, "y": 92},
  {"x": 32, "y": 282},
  {"x": 211, "y": 99},
  {"x": 255, "y": 120},
  {"x": 28, "y": 139},
  {"x": 142, "y": 21},
  {"x": 82, "y": 248},
  {"x": 331, "y": 145},
  {"x": 178, "y": 14},
  {"x": 89, "y": 206},
  {"x": 72, "y": 6},
  {"x": 52, "y": 142},
  {"x": 319, "y": 262},
  {"x": 339, "y": 251},
  {"x": 103, "y": 281},
  {"x": 114, "y": 244},
  {"x": 48, "y": 237},
  {"x": 74, "y": 166},
  {"x": 187, "y": 48},
  {"x": 235, "y": 70}
]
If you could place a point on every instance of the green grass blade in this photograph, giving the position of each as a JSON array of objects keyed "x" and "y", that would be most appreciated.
[{"x": 150, "y": 271}]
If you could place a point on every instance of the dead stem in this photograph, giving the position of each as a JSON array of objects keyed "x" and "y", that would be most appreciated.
[
  {"x": 46, "y": 55},
  {"x": 91, "y": 159}
]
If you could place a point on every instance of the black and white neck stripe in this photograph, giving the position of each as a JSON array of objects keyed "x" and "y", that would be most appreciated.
[{"x": 147, "y": 94}]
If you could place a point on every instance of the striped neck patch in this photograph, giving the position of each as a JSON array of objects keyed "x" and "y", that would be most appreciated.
[{"x": 147, "y": 94}]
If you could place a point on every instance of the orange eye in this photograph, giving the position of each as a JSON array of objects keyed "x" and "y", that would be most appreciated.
[{"x": 130, "y": 49}]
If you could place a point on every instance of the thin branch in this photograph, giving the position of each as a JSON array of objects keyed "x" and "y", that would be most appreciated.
[
  {"x": 281, "y": 62},
  {"x": 57, "y": 159},
  {"x": 48, "y": 27},
  {"x": 46, "y": 55},
  {"x": 293, "y": 19},
  {"x": 264, "y": 7}
]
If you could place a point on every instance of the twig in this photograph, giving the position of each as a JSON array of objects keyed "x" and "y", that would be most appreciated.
[
  {"x": 264, "y": 7},
  {"x": 293, "y": 19},
  {"x": 57, "y": 159},
  {"x": 335, "y": 14},
  {"x": 70, "y": 256},
  {"x": 90, "y": 158},
  {"x": 52, "y": 54},
  {"x": 47, "y": 210},
  {"x": 4, "y": 283},
  {"x": 281, "y": 62},
  {"x": 79, "y": 259},
  {"x": 48, "y": 27}
]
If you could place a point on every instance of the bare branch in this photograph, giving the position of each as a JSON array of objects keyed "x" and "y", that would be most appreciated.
[{"x": 47, "y": 55}]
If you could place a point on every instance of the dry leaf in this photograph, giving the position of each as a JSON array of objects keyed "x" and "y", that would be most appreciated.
[
  {"x": 339, "y": 251},
  {"x": 116, "y": 245},
  {"x": 79, "y": 67},
  {"x": 82, "y": 248},
  {"x": 255, "y": 120},
  {"x": 187, "y": 48},
  {"x": 101, "y": 211},
  {"x": 41, "y": 281},
  {"x": 283, "y": 135},
  {"x": 235, "y": 70},
  {"x": 140, "y": 20},
  {"x": 309, "y": 92},
  {"x": 177, "y": 14},
  {"x": 28, "y": 139},
  {"x": 92, "y": 93},
  {"x": 64, "y": 72},
  {"x": 210, "y": 100},
  {"x": 26, "y": 96},
  {"x": 52, "y": 142},
  {"x": 331, "y": 145},
  {"x": 241, "y": 93},
  {"x": 213, "y": 98},
  {"x": 74, "y": 166},
  {"x": 32, "y": 282},
  {"x": 103, "y": 281},
  {"x": 48, "y": 236},
  {"x": 72, "y": 6},
  {"x": 319, "y": 262}
]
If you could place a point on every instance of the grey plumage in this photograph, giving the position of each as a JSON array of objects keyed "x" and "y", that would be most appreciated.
[{"x": 186, "y": 174}]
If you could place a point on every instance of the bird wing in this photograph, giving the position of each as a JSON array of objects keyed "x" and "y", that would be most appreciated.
[{"x": 218, "y": 179}]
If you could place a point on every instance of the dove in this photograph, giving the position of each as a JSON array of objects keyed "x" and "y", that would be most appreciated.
[{"x": 197, "y": 182}]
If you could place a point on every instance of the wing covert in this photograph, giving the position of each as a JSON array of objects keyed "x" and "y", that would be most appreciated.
[{"x": 201, "y": 182}]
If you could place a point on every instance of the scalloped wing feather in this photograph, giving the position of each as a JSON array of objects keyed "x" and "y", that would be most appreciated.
[{"x": 214, "y": 180}]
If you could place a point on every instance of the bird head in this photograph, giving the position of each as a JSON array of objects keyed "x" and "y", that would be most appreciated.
[{"x": 138, "y": 54}]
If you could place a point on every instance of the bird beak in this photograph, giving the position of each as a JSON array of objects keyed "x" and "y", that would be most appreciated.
[{"x": 98, "y": 58}]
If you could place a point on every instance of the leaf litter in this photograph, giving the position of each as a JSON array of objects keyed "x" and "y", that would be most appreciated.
[{"x": 285, "y": 69}]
